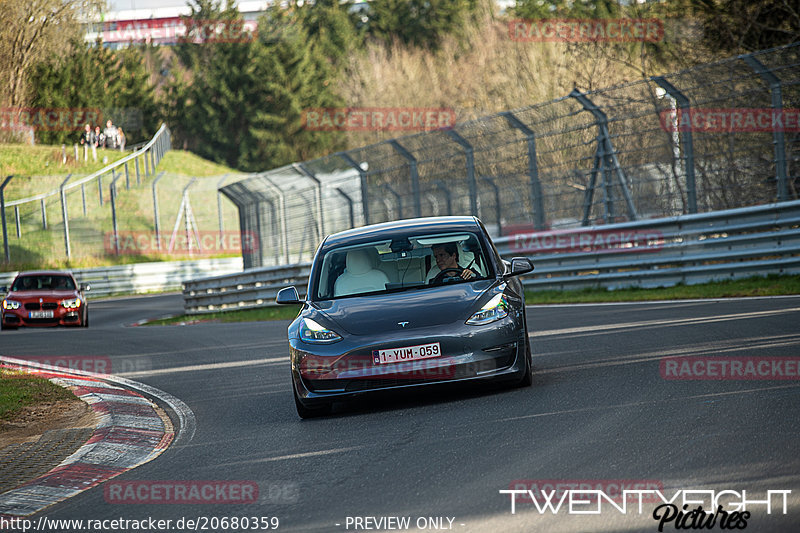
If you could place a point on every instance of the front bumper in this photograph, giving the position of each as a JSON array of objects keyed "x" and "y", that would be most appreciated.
[
  {"x": 61, "y": 317},
  {"x": 345, "y": 370}
]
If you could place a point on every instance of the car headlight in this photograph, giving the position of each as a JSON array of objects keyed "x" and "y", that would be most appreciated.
[
  {"x": 314, "y": 333},
  {"x": 73, "y": 303},
  {"x": 495, "y": 309},
  {"x": 10, "y": 304}
]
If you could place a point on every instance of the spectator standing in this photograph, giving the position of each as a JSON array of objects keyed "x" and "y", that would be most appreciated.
[
  {"x": 86, "y": 140},
  {"x": 111, "y": 135},
  {"x": 99, "y": 141},
  {"x": 121, "y": 139}
]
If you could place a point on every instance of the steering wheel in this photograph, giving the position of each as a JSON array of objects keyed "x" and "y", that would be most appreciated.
[{"x": 440, "y": 277}]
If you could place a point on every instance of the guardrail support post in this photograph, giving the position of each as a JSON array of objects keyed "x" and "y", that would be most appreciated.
[
  {"x": 362, "y": 173},
  {"x": 100, "y": 189},
  {"x": 608, "y": 157},
  {"x": 497, "y": 209},
  {"x": 136, "y": 169},
  {"x": 112, "y": 189},
  {"x": 17, "y": 222},
  {"x": 44, "y": 214},
  {"x": 65, "y": 215},
  {"x": 284, "y": 223},
  {"x": 155, "y": 209},
  {"x": 320, "y": 219},
  {"x": 469, "y": 154},
  {"x": 349, "y": 206},
  {"x": 537, "y": 200},
  {"x": 3, "y": 216},
  {"x": 219, "y": 205},
  {"x": 778, "y": 139},
  {"x": 127, "y": 178},
  {"x": 448, "y": 198},
  {"x": 83, "y": 198},
  {"x": 687, "y": 141},
  {"x": 412, "y": 166},
  {"x": 396, "y": 197}
]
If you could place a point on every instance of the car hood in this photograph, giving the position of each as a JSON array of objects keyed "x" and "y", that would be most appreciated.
[
  {"x": 35, "y": 295},
  {"x": 363, "y": 315}
]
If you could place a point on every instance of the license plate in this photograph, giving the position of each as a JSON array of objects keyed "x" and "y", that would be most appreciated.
[
  {"x": 407, "y": 353},
  {"x": 41, "y": 314}
]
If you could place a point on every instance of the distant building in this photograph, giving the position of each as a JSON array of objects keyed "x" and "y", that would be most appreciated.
[{"x": 163, "y": 25}]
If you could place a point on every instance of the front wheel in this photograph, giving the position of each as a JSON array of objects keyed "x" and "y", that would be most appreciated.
[
  {"x": 527, "y": 377},
  {"x": 309, "y": 412},
  {"x": 85, "y": 319}
]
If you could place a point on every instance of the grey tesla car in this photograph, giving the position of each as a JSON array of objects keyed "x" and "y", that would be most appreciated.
[{"x": 403, "y": 304}]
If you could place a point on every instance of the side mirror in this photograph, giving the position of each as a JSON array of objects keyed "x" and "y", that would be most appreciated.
[
  {"x": 520, "y": 266},
  {"x": 85, "y": 287},
  {"x": 288, "y": 296},
  {"x": 3, "y": 289}
]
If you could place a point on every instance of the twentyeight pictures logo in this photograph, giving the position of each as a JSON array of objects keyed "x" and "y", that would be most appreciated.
[
  {"x": 378, "y": 118},
  {"x": 586, "y": 30}
]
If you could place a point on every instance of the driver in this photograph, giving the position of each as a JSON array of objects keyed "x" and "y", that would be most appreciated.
[{"x": 446, "y": 256}]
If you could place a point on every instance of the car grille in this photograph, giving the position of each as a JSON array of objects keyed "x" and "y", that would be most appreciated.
[
  {"x": 42, "y": 320},
  {"x": 32, "y": 307},
  {"x": 49, "y": 305}
]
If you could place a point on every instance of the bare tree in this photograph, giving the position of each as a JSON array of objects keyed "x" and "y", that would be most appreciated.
[{"x": 34, "y": 30}]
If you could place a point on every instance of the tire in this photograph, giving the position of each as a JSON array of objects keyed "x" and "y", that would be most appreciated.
[
  {"x": 527, "y": 377},
  {"x": 85, "y": 323},
  {"x": 310, "y": 412}
]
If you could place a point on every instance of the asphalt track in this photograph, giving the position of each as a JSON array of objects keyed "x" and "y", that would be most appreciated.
[{"x": 599, "y": 411}]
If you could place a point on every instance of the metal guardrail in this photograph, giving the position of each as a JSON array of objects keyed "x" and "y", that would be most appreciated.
[
  {"x": 686, "y": 249},
  {"x": 140, "y": 278},
  {"x": 142, "y": 163},
  {"x": 158, "y": 145}
]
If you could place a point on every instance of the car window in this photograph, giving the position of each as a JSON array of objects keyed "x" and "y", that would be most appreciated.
[
  {"x": 400, "y": 264},
  {"x": 43, "y": 283}
]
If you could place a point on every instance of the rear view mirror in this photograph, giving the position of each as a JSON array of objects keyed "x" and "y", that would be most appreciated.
[
  {"x": 288, "y": 296},
  {"x": 520, "y": 266}
]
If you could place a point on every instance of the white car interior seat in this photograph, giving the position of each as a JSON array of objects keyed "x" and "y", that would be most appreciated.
[{"x": 359, "y": 276}]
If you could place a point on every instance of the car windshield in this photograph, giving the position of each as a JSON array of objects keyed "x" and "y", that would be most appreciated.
[
  {"x": 43, "y": 283},
  {"x": 415, "y": 262}
]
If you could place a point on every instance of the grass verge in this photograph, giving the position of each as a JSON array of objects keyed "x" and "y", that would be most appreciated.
[
  {"x": 18, "y": 389},
  {"x": 758, "y": 286}
]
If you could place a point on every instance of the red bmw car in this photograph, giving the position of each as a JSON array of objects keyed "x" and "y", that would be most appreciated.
[{"x": 45, "y": 298}]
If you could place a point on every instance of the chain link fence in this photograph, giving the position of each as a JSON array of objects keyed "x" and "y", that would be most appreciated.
[
  {"x": 129, "y": 209},
  {"x": 717, "y": 136}
]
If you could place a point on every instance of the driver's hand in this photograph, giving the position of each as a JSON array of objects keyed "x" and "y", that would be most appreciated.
[{"x": 467, "y": 274}]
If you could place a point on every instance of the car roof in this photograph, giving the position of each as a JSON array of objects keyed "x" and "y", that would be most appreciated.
[
  {"x": 44, "y": 273},
  {"x": 388, "y": 230}
]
